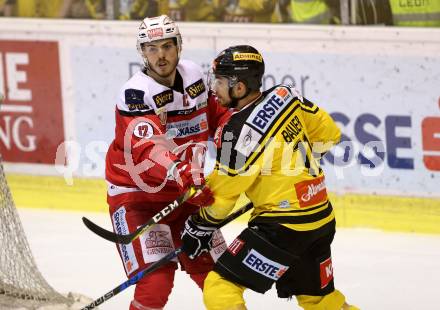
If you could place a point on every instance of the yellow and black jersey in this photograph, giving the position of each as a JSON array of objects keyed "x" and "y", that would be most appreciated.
[{"x": 270, "y": 151}]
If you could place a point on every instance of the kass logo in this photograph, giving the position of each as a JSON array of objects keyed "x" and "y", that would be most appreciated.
[{"x": 190, "y": 127}]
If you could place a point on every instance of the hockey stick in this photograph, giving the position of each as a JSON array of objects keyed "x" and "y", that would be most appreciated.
[
  {"x": 164, "y": 260},
  {"x": 126, "y": 239}
]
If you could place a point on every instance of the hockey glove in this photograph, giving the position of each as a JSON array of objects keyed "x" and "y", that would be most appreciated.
[
  {"x": 196, "y": 239},
  {"x": 186, "y": 175},
  {"x": 203, "y": 199}
]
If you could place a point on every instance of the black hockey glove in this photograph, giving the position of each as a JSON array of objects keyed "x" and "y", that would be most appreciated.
[{"x": 196, "y": 238}]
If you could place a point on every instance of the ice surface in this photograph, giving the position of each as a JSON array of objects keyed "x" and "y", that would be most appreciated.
[{"x": 375, "y": 270}]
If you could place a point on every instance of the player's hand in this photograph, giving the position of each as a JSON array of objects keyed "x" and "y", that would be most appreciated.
[
  {"x": 196, "y": 239},
  {"x": 203, "y": 199},
  {"x": 186, "y": 175}
]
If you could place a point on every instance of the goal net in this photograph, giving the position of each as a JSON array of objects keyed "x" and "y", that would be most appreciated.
[{"x": 22, "y": 286}]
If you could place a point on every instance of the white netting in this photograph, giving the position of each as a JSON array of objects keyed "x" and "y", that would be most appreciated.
[{"x": 22, "y": 286}]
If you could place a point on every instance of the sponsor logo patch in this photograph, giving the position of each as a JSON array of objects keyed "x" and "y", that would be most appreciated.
[
  {"x": 218, "y": 245},
  {"x": 155, "y": 33},
  {"x": 247, "y": 141},
  {"x": 127, "y": 252},
  {"x": 196, "y": 89},
  {"x": 137, "y": 106},
  {"x": 263, "y": 265},
  {"x": 235, "y": 246},
  {"x": 326, "y": 272},
  {"x": 266, "y": 112},
  {"x": 163, "y": 98},
  {"x": 190, "y": 127},
  {"x": 134, "y": 97},
  {"x": 156, "y": 243},
  {"x": 311, "y": 192},
  {"x": 247, "y": 56}
]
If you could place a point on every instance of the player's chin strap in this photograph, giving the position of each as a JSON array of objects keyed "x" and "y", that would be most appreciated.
[{"x": 163, "y": 261}]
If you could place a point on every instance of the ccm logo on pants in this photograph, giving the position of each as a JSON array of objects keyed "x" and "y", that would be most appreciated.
[{"x": 264, "y": 266}]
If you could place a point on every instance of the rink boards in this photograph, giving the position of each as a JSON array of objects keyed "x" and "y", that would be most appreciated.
[
  {"x": 61, "y": 79},
  {"x": 391, "y": 213}
]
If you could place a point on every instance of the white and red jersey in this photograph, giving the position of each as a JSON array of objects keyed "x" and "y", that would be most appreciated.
[{"x": 147, "y": 112}]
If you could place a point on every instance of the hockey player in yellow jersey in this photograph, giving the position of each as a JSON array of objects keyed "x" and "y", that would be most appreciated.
[{"x": 269, "y": 149}]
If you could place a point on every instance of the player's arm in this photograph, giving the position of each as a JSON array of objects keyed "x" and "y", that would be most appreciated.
[
  {"x": 147, "y": 150},
  {"x": 226, "y": 189}
]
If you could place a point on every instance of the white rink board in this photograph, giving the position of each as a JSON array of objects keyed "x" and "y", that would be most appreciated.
[{"x": 379, "y": 84}]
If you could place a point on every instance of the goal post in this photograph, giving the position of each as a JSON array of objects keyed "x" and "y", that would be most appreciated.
[{"x": 22, "y": 286}]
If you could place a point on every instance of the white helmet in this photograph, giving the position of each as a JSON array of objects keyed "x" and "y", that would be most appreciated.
[{"x": 158, "y": 28}]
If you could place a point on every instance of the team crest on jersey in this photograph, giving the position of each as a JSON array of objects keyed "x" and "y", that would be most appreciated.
[
  {"x": 163, "y": 98},
  {"x": 143, "y": 130},
  {"x": 196, "y": 89}
]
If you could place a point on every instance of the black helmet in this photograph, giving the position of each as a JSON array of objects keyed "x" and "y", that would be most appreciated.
[{"x": 243, "y": 62}]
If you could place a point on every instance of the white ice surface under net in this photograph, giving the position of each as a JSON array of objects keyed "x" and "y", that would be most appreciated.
[{"x": 375, "y": 270}]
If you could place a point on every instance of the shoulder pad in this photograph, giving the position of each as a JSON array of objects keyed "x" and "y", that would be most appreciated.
[{"x": 294, "y": 91}]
